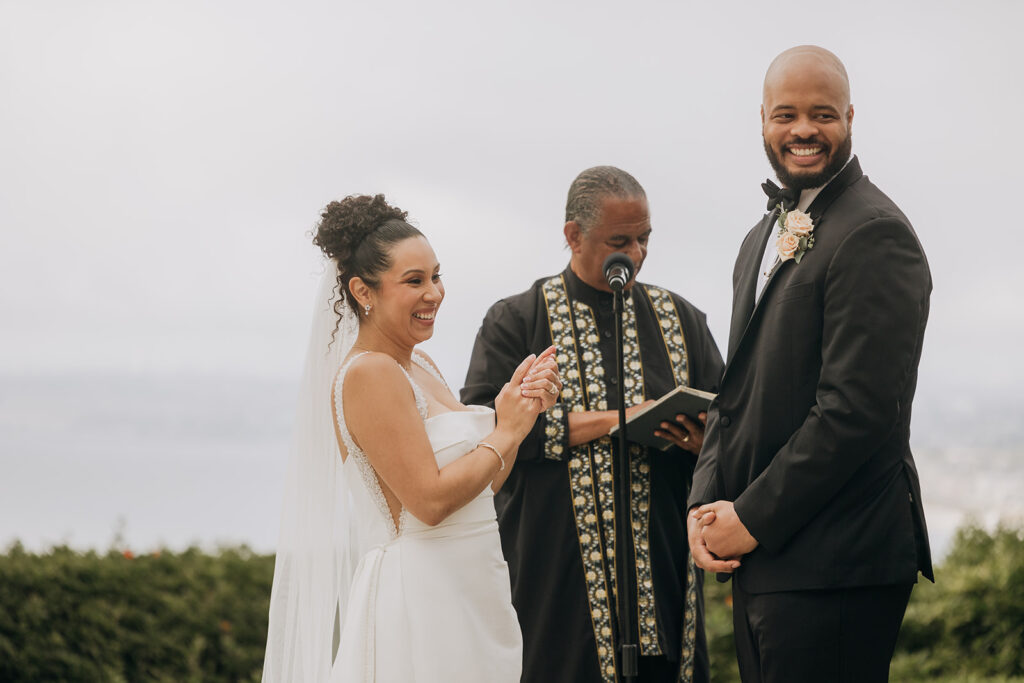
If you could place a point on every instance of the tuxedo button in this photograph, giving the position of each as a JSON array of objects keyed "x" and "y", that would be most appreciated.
[
  {"x": 725, "y": 420},
  {"x": 607, "y": 334},
  {"x": 614, "y": 380}
]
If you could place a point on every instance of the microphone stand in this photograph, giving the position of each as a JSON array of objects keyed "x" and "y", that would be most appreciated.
[{"x": 625, "y": 579}]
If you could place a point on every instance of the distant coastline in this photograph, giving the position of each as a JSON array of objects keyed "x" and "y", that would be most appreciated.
[{"x": 176, "y": 461}]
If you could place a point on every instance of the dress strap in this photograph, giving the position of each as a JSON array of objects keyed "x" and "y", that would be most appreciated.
[
  {"x": 422, "y": 361},
  {"x": 417, "y": 392},
  {"x": 366, "y": 471},
  {"x": 421, "y": 399},
  {"x": 346, "y": 437}
]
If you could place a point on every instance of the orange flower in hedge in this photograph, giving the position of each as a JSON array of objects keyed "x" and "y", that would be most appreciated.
[
  {"x": 129, "y": 554},
  {"x": 225, "y": 626}
]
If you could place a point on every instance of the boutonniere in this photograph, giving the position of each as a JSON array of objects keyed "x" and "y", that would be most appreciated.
[{"x": 796, "y": 236}]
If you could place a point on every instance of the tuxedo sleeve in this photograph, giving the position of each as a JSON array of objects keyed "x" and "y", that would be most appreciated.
[
  {"x": 705, "y": 485},
  {"x": 709, "y": 365},
  {"x": 875, "y": 305},
  {"x": 501, "y": 345}
]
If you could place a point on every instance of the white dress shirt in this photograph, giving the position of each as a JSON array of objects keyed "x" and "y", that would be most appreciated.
[{"x": 770, "y": 260}]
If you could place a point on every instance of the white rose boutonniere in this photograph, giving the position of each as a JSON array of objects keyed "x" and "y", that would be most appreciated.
[{"x": 796, "y": 235}]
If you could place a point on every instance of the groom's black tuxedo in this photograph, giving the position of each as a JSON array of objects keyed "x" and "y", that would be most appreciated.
[{"x": 809, "y": 435}]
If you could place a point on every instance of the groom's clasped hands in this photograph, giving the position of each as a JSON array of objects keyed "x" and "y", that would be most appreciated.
[{"x": 717, "y": 537}]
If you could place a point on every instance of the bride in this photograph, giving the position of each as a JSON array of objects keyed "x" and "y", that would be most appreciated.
[{"x": 389, "y": 566}]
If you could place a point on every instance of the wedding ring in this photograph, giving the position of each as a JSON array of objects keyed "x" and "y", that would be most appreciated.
[
  {"x": 553, "y": 390},
  {"x": 686, "y": 438}
]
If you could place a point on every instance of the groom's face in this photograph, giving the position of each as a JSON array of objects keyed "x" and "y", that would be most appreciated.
[{"x": 806, "y": 119}]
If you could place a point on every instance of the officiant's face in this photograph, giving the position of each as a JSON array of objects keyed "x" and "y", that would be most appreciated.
[
  {"x": 624, "y": 226},
  {"x": 409, "y": 294},
  {"x": 806, "y": 117}
]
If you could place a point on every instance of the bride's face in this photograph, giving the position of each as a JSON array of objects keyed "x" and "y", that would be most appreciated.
[{"x": 410, "y": 293}]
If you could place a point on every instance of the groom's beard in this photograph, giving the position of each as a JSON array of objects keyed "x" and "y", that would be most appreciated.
[{"x": 806, "y": 181}]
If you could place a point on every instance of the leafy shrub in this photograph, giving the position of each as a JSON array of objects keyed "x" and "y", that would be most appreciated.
[
  {"x": 191, "y": 616},
  {"x": 195, "y": 616}
]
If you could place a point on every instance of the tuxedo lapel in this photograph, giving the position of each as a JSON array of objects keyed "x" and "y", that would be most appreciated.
[
  {"x": 746, "y": 309},
  {"x": 746, "y": 284},
  {"x": 850, "y": 174}
]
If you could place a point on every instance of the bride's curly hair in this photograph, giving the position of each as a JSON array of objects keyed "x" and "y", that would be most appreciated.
[{"x": 358, "y": 233}]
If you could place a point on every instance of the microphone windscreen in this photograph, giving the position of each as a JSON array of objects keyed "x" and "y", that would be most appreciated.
[{"x": 621, "y": 260}]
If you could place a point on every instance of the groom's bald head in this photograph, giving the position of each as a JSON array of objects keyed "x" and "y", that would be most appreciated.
[{"x": 803, "y": 61}]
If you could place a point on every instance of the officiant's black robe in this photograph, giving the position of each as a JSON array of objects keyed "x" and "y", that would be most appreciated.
[{"x": 554, "y": 511}]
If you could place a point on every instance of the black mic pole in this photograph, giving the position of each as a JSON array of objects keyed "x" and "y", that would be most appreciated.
[{"x": 624, "y": 578}]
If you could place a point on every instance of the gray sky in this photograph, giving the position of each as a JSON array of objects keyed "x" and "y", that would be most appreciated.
[{"x": 162, "y": 163}]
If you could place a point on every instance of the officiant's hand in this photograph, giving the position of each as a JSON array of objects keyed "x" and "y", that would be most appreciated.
[
  {"x": 684, "y": 432},
  {"x": 722, "y": 531}
]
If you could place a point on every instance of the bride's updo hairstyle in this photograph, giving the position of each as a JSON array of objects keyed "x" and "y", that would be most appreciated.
[{"x": 358, "y": 233}]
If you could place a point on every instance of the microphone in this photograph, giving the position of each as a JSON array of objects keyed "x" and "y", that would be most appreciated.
[{"x": 618, "y": 270}]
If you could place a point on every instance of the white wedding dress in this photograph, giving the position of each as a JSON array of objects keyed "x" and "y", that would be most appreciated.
[{"x": 426, "y": 604}]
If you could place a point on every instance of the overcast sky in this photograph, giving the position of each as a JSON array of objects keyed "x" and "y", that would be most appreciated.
[{"x": 161, "y": 163}]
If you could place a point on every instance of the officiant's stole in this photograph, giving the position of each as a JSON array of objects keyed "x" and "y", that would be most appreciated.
[{"x": 592, "y": 474}]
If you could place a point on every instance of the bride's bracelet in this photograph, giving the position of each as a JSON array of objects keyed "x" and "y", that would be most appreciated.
[{"x": 496, "y": 452}]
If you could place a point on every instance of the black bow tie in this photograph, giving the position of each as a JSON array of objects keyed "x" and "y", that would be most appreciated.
[{"x": 786, "y": 196}]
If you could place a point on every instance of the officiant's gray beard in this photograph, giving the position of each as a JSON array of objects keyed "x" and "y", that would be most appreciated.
[{"x": 806, "y": 182}]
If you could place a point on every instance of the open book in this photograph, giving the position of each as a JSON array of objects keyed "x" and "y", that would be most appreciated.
[{"x": 640, "y": 425}]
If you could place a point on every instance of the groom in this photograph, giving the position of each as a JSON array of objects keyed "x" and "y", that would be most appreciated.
[{"x": 806, "y": 488}]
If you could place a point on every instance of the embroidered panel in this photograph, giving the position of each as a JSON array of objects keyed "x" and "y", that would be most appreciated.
[
  {"x": 640, "y": 493},
  {"x": 689, "y": 623},
  {"x": 671, "y": 332},
  {"x": 640, "y": 515},
  {"x": 590, "y": 478},
  {"x": 555, "y": 437},
  {"x": 671, "y": 328},
  {"x": 574, "y": 332}
]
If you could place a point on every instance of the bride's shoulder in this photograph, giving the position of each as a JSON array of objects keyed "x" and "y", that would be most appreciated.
[{"x": 371, "y": 368}]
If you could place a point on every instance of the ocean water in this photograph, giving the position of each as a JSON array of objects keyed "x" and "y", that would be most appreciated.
[
  {"x": 145, "y": 461},
  {"x": 154, "y": 460}
]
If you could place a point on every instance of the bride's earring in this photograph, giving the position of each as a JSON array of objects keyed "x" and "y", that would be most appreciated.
[{"x": 367, "y": 308}]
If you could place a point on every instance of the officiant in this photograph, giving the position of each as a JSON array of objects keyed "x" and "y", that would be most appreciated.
[{"x": 555, "y": 510}]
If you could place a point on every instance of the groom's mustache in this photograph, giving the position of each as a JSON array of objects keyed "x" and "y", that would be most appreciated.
[{"x": 814, "y": 140}]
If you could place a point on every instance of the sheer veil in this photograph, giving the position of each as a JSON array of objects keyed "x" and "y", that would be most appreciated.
[{"x": 315, "y": 562}]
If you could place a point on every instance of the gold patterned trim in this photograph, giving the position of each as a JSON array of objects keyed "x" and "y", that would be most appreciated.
[
  {"x": 640, "y": 493},
  {"x": 591, "y": 469},
  {"x": 555, "y": 433},
  {"x": 590, "y": 475},
  {"x": 686, "y": 656},
  {"x": 671, "y": 332},
  {"x": 675, "y": 345}
]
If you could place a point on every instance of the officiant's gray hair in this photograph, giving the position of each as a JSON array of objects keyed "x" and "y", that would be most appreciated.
[{"x": 594, "y": 185}]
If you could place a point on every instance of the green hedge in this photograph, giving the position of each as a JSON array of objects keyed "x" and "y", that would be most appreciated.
[
  {"x": 191, "y": 616},
  {"x": 196, "y": 616}
]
